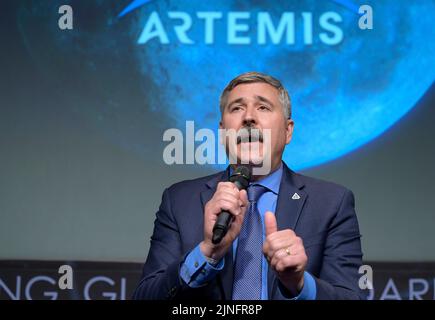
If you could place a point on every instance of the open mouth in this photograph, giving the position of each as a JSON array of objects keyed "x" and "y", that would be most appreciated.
[
  {"x": 248, "y": 139},
  {"x": 250, "y": 136}
]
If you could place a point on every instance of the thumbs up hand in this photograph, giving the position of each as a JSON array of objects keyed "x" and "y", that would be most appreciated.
[{"x": 285, "y": 253}]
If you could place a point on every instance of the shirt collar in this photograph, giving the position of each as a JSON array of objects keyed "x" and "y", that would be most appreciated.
[{"x": 272, "y": 181}]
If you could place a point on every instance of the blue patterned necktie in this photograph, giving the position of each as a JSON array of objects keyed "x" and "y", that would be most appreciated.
[{"x": 247, "y": 268}]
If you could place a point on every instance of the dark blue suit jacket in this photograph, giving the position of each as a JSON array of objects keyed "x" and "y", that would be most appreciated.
[{"x": 324, "y": 217}]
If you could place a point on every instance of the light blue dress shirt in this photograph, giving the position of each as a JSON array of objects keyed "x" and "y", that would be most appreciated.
[{"x": 196, "y": 271}]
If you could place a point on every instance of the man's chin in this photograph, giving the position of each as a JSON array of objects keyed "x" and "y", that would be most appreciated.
[
  {"x": 251, "y": 161},
  {"x": 250, "y": 153}
]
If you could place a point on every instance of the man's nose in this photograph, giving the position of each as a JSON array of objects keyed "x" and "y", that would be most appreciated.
[{"x": 249, "y": 117}]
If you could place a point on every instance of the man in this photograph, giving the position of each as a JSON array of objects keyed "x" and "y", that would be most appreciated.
[{"x": 296, "y": 238}]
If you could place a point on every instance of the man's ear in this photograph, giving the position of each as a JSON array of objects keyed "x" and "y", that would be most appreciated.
[{"x": 289, "y": 131}]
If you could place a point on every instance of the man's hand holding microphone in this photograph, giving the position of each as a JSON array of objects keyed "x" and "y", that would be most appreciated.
[
  {"x": 226, "y": 198},
  {"x": 223, "y": 219}
]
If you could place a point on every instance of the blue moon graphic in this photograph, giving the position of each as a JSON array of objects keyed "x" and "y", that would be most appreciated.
[{"x": 343, "y": 95}]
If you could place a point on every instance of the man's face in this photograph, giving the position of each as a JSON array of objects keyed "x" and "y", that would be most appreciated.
[{"x": 257, "y": 105}]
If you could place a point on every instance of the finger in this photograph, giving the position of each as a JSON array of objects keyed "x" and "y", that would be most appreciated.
[
  {"x": 236, "y": 226},
  {"x": 244, "y": 198},
  {"x": 293, "y": 263},
  {"x": 227, "y": 186},
  {"x": 270, "y": 223},
  {"x": 287, "y": 264},
  {"x": 266, "y": 248},
  {"x": 239, "y": 198},
  {"x": 230, "y": 206},
  {"x": 278, "y": 244},
  {"x": 228, "y": 196},
  {"x": 234, "y": 192},
  {"x": 277, "y": 256},
  {"x": 273, "y": 261},
  {"x": 291, "y": 256},
  {"x": 281, "y": 261}
]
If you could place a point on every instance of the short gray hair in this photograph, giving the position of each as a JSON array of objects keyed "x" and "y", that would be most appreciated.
[{"x": 253, "y": 77}]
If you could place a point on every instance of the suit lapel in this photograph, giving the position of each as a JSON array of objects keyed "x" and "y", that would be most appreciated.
[
  {"x": 225, "y": 277},
  {"x": 291, "y": 199}
]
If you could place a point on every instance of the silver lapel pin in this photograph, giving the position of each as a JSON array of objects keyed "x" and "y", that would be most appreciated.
[{"x": 296, "y": 196}]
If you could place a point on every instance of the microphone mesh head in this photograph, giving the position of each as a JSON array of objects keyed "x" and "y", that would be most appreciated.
[
  {"x": 244, "y": 171},
  {"x": 241, "y": 177}
]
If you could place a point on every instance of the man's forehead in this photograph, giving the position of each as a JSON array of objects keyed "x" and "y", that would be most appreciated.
[{"x": 257, "y": 90}]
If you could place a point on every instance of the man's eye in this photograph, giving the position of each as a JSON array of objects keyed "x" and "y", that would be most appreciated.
[
  {"x": 236, "y": 108},
  {"x": 263, "y": 107}
]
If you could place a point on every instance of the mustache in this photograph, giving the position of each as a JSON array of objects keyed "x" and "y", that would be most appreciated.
[{"x": 249, "y": 134}]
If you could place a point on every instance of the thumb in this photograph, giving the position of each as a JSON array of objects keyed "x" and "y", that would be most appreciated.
[{"x": 270, "y": 223}]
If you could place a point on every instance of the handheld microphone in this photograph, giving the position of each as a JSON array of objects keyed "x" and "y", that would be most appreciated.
[{"x": 241, "y": 178}]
